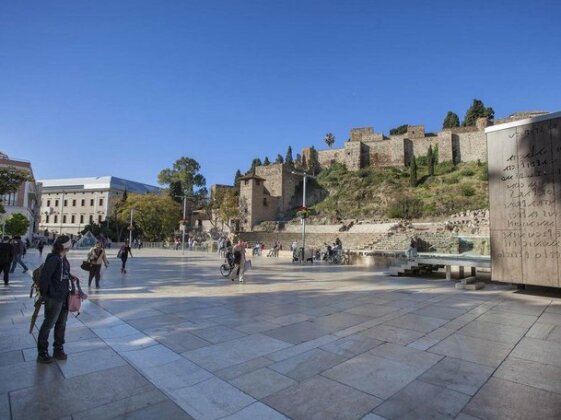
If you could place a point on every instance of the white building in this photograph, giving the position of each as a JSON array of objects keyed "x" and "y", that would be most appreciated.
[
  {"x": 25, "y": 200},
  {"x": 69, "y": 204}
]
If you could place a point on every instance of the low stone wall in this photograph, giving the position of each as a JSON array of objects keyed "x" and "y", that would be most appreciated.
[{"x": 314, "y": 240}]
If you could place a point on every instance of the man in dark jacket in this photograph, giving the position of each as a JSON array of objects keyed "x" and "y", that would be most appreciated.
[
  {"x": 54, "y": 286},
  {"x": 6, "y": 256},
  {"x": 18, "y": 248}
]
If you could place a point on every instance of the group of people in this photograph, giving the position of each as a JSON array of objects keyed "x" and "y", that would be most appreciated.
[
  {"x": 12, "y": 251},
  {"x": 97, "y": 258}
]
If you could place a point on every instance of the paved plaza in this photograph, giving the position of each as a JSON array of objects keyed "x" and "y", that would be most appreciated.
[{"x": 173, "y": 340}]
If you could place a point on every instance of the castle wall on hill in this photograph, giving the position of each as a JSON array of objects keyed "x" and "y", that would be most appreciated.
[
  {"x": 471, "y": 146},
  {"x": 386, "y": 153},
  {"x": 327, "y": 157},
  {"x": 444, "y": 142}
]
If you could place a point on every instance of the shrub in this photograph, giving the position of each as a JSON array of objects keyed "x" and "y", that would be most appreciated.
[
  {"x": 468, "y": 191},
  {"x": 467, "y": 172},
  {"x": 405, "y": 207},
  {"x": 445, "y": 167},
  {"x": 452, "y": 179}
]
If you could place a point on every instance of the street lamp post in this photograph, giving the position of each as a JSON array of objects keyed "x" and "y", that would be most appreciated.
[
  {"x": 184, "y": 222},
  {"x": 305, "y": 177}
]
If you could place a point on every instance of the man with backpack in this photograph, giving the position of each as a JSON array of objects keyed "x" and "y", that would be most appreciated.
[{"x": 6, "y": 256}]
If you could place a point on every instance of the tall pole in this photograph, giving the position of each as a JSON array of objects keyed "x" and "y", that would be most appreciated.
[
  {"x": 130, "y": 229},
  {"x": 304, "y": 221},
  {"x": 184, "y": 222}
]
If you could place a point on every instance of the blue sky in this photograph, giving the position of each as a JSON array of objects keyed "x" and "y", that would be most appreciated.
[{"x": 124, "y": 88}]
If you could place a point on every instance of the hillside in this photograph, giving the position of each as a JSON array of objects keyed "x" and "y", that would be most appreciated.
[{"x": 387, "y": 193}]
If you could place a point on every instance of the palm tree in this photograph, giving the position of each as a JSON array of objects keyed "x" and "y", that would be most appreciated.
[{"x": 329, "y": 139}]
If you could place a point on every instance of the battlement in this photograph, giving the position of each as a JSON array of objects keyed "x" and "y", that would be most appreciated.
[{"x": 365, "y": 134}]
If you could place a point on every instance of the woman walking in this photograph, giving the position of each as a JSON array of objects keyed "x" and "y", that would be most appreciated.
[
  {"x": 238, "y": 271},
  {"x": 96, "y": 257},
  {"x": 123, "y": 254},
  {"x": 54, "y": 286}
]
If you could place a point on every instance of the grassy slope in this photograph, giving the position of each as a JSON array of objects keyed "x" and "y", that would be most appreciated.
[{"x": 379, "y": 193}]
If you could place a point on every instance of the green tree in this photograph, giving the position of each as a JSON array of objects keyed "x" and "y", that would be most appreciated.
[
  {"x": 329, "y": 139},
  {"x": 255, "y": 163},
  {"x": 155, "y": 216},
  {"x": 289, "y": 159},
  {"x": 402, "y": 129},
  {"x": 279, "y": 159},
  {"x": 17, "y": 224},
  {"x": 186, "y": 172},
  {"x": 475, "y": 111},
  {"x": 413, "y": 172},
  {"x": 313, "y": 166},
  {"x": 451, "y": 120},
  {"x": 436, "y": 154},
  {"x": 175, "y": 191},
  {"x": 237, "y": 177},
  {"x": 10, "y": 180},
  {"x": 266, "y": 161},
  {"x": 224, "y": 207},
  {"x": 430, "y": 160}
]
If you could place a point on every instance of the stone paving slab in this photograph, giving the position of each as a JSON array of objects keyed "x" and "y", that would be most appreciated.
[{"x": 173, "y": 339}]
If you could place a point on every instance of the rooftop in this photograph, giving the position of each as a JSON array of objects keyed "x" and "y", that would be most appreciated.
[{"x": 98, "y": 183}]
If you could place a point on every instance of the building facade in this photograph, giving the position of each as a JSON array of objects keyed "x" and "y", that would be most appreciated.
[
  {"x": 68, "y": 205},
  {"x": 25, "y": 200}
]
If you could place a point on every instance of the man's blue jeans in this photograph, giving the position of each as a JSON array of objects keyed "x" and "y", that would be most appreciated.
[
  {"x": 17, "y": 259},
  {"x": 56, "y": 314}
]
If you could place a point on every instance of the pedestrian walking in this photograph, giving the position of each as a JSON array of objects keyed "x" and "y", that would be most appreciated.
[
  {"x": 238, "y": 271},
  {"x": 96, "y": 257},
  {"x": 54, "y": 286},
  {"x": 18, "y": 248},
  {"x": 123, "y": 254},
  {"x": 6, "y": 256},
  {"x": 40, "y": 247}
]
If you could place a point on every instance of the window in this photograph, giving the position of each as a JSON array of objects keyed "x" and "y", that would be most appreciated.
[
  {"x": 73, "y": 203},
  {"x": 92, "y": 202},
  {"x": 99, "y": 219},
  {"x": 64, "y": 218},
  {"x": 47, "y": 218},
  {"x": 48, "y": 203},
  {"x": 73, "y": 219},
  {"x": 265, "y": 204},
  {"x": 101, "y": 201},
  {"x": 56, "y": 219},
  {"x": 65, "y": 203},
  {"x": 91, "y": 219},
  {"x": 257, "y": 182},
  {"x": 83, "y": 202},
  {"x": 56, "y": 203},
  {"x": 245, "y": 182},
  {"x": 81, "y": 219}
]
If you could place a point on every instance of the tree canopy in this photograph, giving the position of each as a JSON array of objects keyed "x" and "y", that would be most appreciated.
[
  {"x": 289, "y": 159},
  {"x": 184, "y": 175},
  {"x": 155, "y": 216},
  {"x": 17, "y": 224},
  {"x": 475, "y": 111},
  {"x": 266, "y": 161},
  {"x": 451, "y": 120},
  {"x": 279, "y": 159},
  {"x": 10, "y": 180},
  {"x": 402, "y": 129},
  {"x": 329, "y": 139}
]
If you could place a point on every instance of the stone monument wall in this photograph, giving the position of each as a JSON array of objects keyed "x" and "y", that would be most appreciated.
[{"x": 525, "y": 200}]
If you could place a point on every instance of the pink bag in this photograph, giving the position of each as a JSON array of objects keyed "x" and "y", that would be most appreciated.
[
  {"x": 75, "y": 298},
  {"x": 74, "y": 302}
]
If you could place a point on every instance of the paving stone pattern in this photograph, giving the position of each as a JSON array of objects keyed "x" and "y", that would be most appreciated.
[{"x": 172, "y": 339}]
